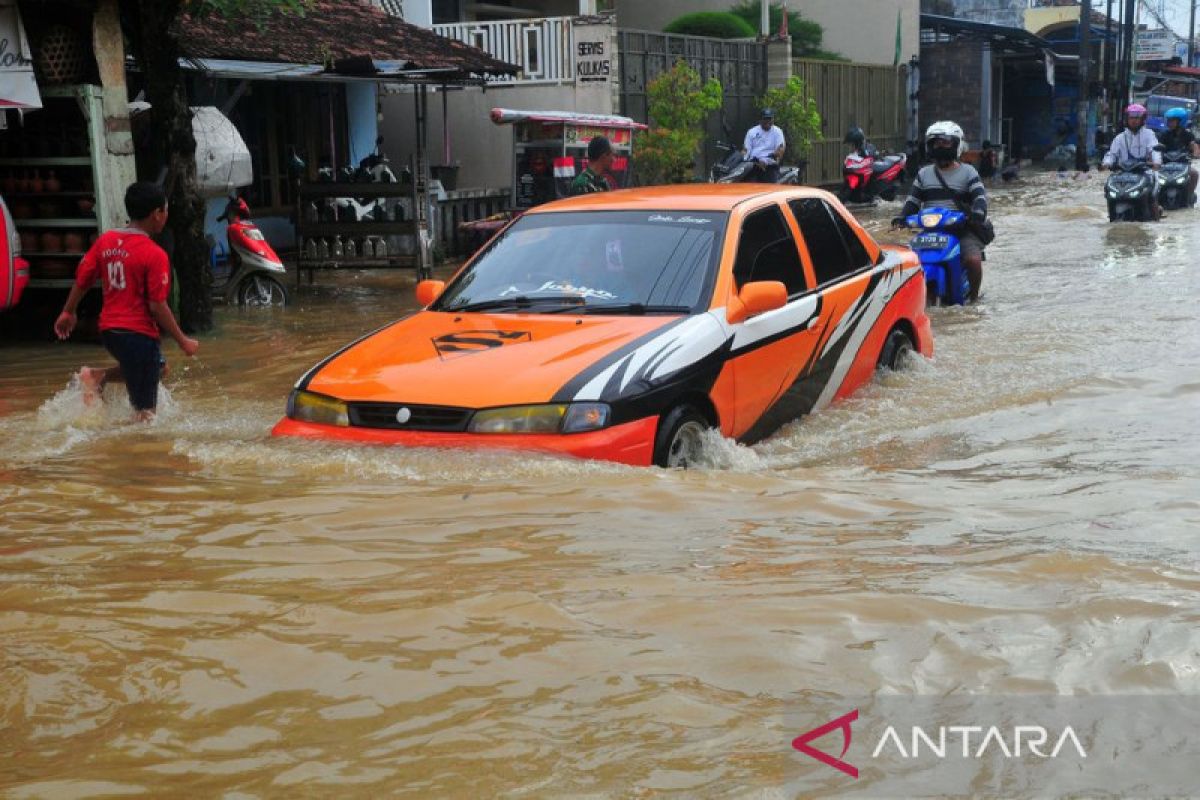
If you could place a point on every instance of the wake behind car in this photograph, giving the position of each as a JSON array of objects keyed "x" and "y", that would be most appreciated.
[{"x": 622, "y": 325}]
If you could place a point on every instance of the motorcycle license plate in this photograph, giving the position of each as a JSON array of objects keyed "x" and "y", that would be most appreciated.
[{"x": 931, "y": 241}]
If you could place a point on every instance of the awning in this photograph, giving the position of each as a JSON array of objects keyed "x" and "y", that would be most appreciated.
[
  {"x": 508, "y": 116},
  {"x": 18, "y": 87},
  {"x": 384, "y": 71}
]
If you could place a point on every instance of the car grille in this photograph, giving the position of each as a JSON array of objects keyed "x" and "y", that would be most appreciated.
[{"x": 423, "y": 418}]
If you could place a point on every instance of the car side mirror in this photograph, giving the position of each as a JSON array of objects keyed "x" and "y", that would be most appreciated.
[
  {"x": 756, "y": 298},
  {"x": 428, "y": 291}
]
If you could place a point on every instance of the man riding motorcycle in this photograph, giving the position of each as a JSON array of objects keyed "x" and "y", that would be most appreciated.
[
  {"x": 1178, "y": 139},
  {"x": 1136, "y": 143},
  {"x": 858, "y": 140},
  {"x": 949, "y": 183},
  {"x": 764, "y": 145}
]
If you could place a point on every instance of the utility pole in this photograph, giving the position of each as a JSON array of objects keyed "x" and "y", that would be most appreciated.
[
  {"x": 1085, "y": 86},
  {"x": 1130, "y": 55},
  {"x": 1192, "y": 35},
  {"x": 1108, "y": 62}
]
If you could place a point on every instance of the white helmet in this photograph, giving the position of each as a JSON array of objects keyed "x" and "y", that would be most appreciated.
[{"x": 950, "y": 130}]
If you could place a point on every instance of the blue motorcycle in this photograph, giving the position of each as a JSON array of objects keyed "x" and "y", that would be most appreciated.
[{"x": 938, "y": 248}]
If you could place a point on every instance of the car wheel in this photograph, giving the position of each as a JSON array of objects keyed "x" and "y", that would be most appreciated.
[
  {"x": 261, "y": 291},
  {"x": 896, "y": 350},
  {"x": 680, "y": 438}
]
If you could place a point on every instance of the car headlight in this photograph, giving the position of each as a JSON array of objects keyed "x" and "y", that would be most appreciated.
[
  {"x": 930, "y": 220},
  {"x": 311, "y": 407},
  {"x": 550, "y": 418}
]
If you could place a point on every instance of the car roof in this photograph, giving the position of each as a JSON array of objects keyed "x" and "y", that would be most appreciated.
[{"x": 680, "y": 197}]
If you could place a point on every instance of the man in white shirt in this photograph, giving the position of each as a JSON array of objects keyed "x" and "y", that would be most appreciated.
[
  {"x": 764, "y": 145},
  {"x": 1136, "y": 143}
]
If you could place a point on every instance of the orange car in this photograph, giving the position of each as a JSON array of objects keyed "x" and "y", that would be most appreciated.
[{"x": 622, "y": 325}]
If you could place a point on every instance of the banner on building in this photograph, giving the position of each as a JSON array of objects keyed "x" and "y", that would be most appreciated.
[
  {"x": 594, "y": 57},
  {"x": 1156, "y": 45},
  {"x": 18, "y": 87}
]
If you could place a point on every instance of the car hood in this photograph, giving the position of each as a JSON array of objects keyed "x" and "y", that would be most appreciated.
[{"x": 476, "y": 360}]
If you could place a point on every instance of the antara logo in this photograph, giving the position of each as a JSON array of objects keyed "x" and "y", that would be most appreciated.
[{"x": 946, "y": 741}]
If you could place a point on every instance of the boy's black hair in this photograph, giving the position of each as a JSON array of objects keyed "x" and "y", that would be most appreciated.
[{"x": 144, "y": 198}]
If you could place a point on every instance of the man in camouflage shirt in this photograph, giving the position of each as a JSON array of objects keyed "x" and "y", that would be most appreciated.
[{"x": 595, "y": 177}]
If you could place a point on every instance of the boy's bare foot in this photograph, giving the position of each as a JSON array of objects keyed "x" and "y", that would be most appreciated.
[{"x": 91, "y": 382}]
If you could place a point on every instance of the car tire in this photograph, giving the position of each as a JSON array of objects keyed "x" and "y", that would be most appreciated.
[
  {"x": 896, "y": 348},
  {"x": 679, "y": 437}
]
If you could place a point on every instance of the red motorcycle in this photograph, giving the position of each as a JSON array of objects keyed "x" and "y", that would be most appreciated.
[
  {"x": 248, "y": 272},
  {"x": 867, "y": 173}
]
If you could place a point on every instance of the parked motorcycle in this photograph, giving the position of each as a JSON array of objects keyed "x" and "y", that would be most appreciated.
[
  {"x": 1128, "y": 190},
  {"x": 247, "y": 271},
  {"x": 869, "y": 174},
  {"x": 736, "y": 168},
  {"x": 937, "y": 246},
  {"x": 1175, "y": 176}
]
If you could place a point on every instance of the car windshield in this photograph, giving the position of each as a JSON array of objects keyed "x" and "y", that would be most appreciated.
[{"x": 594, "y": 262}]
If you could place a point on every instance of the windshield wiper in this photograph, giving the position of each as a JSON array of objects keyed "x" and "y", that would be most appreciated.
[
  {"x": 520, "y": 301},
  {"x": 633, "y": 308}
]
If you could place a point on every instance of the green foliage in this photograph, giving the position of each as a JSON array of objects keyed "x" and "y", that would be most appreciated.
[
  {"x": 806, "y": 34},
  {"x": 717, "y": 24},
  {"x": 796, "y": 113},
  {"x": 679, "y": 103}
]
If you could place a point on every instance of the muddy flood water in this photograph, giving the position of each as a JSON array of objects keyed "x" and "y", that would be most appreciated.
[{"x": 194, "y": 609}]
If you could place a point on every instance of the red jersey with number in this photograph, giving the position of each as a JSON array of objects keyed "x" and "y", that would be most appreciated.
[{"x": 134, "y": 272}]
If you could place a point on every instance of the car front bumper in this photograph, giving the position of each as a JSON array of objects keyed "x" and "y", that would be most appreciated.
[{"x": 629, "y": 443}]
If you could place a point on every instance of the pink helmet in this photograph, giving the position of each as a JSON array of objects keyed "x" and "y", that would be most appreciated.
[{"x": 1135, "y": 110}]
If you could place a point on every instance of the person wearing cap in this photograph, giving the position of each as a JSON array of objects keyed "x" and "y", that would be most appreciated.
[
  {"x": 764, "y": 146},
  {"x": 594, "y": 177}
]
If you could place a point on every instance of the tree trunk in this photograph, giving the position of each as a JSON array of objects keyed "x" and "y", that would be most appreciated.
[{"x": 174, "y": 147}]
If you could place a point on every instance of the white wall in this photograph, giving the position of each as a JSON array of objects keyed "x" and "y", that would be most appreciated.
[
  {"x": 483, "y": 149},
  {"x": 861, "y": 30}
]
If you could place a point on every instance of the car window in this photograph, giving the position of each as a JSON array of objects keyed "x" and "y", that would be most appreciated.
[
  {"x": 767, "y": 252},
  {"x": 833, "y": 245},
  {"x": 643, "y": 258}
]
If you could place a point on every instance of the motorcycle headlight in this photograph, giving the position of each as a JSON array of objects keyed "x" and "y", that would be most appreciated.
[
  {"x": 1137, "y": 192},
  {"x": 549, "y": 418},
  {"x": 931, "y": 220},
  {"x": 311, "y": 407}
]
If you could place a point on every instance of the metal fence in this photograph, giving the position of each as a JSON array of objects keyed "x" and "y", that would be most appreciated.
[
  {"x": 872, "y": 97},
  {"x": 740, "y": 66}
]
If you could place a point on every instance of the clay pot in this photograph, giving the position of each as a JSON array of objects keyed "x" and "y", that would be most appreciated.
[
  {"x": 36, "y": 184},
  {"x": 21, "y": 209},
  {"x": 85, "y": 206},
  {"x": 48, "y": 209},
  {"x": 52, "y": 183},
  {"x": 52, "y": 242},
  {"x": 23, "y": 182},
  {"x": 29, "y": 242},
  {"x": 73, "y": 242},
  {"x": 9, "y": 184}
]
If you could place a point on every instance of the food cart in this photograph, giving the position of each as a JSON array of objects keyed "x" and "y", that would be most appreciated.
[{"x": 549, "y": 150}]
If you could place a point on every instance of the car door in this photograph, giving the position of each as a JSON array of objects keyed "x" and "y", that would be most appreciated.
[
  {"x": 769, "y": 350},
  {"x": 843, "y": 261}
]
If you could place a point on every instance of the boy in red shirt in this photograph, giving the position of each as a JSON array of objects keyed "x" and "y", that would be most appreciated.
[{"x": 136, "y": 278}]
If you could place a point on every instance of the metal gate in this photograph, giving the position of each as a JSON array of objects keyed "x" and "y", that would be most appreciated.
[
  {"x": 740, "y": 66},
  {"x": 875, "y": 98}
]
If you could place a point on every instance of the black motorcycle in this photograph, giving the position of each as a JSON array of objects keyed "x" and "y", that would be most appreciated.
[
  {"x": 1175, "y": 176},
  {"x": 1129, "y": 189},
  {"x": 736, "y": 168}
]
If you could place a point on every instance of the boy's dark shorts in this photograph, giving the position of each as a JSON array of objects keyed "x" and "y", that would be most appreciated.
[{"x": 141, "y": 365}]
